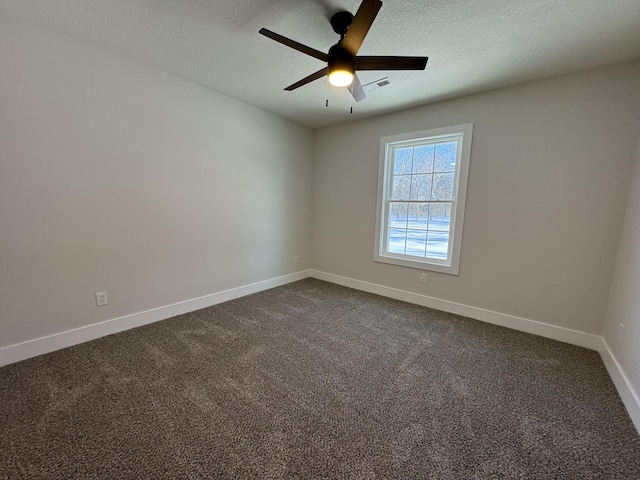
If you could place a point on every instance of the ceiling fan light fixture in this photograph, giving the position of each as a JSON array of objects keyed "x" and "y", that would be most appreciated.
[
  {"x": 340, "y": 78},
  {"x": 341, "y": 67}
]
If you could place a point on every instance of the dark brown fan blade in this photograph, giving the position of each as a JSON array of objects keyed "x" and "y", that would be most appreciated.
[
  {"x": 309, "y": 79},
  {"x": 356, "y": 89},
  {"x": 358, "y": 29},
  {"x": 295, "y": 45},
  {"x": 391, "y": 63}
]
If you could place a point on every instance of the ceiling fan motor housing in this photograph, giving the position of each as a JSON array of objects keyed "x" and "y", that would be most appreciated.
[{"x": 340, "y": 22}]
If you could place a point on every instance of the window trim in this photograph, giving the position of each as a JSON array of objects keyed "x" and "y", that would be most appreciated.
[{"x": 452, "y": 265}]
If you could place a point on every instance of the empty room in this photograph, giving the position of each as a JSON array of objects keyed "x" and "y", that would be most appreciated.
[{"x": 320, "y": 239}]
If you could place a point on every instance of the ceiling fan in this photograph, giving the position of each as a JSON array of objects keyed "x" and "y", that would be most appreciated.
[{"x": 342, "y": 60}]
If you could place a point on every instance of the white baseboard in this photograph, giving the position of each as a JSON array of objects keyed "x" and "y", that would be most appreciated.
[
  {"x": 50, "y": 343},
  {"x": 626, "y": 391},
  {"x": 546, "y": 330}
]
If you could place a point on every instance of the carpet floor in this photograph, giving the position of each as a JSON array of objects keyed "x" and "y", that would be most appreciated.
[{"x": 315, "y": 381}]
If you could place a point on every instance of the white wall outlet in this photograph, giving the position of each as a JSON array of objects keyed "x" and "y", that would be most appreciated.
[
  {"x": 101, "y": 299},
  {"x": 296, "y": 259},
  {"x": 423, "y": 278}
]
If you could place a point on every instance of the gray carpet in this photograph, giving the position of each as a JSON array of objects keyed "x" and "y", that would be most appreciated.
[{"x": 313, "y": 380}]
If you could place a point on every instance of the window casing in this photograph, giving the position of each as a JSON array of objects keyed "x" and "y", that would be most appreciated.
[{"x": 422, "y": 185}]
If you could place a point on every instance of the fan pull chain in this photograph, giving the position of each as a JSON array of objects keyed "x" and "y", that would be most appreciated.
[
  {"x": 351, "y": 103},
  {"x": 326, "y": 104}
]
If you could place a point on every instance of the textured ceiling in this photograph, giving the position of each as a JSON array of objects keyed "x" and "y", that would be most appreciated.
[{"x": 473, "y": 45}]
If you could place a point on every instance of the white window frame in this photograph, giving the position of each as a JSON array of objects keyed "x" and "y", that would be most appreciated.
[{"x": 385, "y": 173}]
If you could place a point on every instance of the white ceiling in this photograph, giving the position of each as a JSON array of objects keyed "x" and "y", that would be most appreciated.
[{"x": 473, "y": 45}]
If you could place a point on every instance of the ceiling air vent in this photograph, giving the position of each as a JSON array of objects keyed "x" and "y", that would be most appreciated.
[{"x": 383, "y": 82}]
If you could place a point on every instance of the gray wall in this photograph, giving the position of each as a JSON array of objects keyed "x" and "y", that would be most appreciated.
[
  {"x": 548, "y": 182},
  {"x": 115, "y": 176},
  {"x": 624, "y": 300}
]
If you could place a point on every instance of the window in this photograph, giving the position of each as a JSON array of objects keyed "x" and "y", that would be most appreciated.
[{"x": 422, "y": 185}]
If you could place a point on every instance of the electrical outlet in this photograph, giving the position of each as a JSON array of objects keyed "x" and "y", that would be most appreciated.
[
  {"x": 101, "y": 299},
  {"x": 296, "y": 259},
  {"x": 423, "y": 278}
]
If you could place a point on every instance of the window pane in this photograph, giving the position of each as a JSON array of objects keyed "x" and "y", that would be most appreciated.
[
  {"x": 445, "y": 160},
  {"x": 442, "y": 188},
  {"x": 402, "y": 160},
  {"x": 416, "y": 242},
  {"x": 418, "y": 215},
  {"x": 422, "y": 195},
  {"x": 440, "y": 217},
  {"x": 420, "y": 187},
  {"x": 401, "y": 187},
  {"x": 398, "y": 215},
  {"x": 437, "y": 244},
  {"x": 396, "y": 240},
  {"x": 423, "y": 159}
]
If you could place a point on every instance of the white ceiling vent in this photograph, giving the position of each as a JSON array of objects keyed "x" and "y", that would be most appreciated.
[{"x": 383, "y": 82}]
